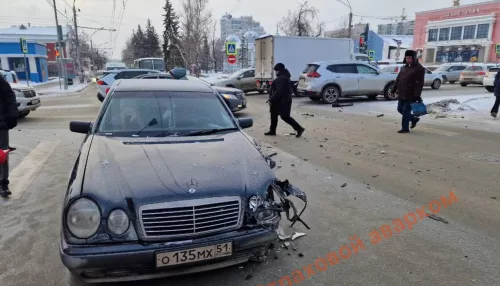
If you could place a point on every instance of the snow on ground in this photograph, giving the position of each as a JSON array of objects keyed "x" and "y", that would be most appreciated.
[
  {"x": 467, "y": 105},
  {"x": 55, "y": 90},
  {"x": 51, "y": 80}
]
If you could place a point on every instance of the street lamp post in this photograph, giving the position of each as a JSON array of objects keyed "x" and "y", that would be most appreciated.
[{"x": 348, "y": 5}]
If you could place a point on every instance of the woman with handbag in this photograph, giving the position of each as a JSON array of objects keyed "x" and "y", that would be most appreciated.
[
  {"x": 496, "y": 105},
  {"x": 409, "y": 85}
]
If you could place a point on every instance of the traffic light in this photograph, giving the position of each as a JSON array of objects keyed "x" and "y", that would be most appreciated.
[{"x": 57, "y": 53}]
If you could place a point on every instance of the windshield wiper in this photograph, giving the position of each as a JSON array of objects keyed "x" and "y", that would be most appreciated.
[
  {"x": 207, "y": 131},
  {"x": 151, "y": 123}
]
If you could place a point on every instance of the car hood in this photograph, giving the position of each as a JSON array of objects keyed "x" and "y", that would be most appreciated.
[
  {"x": 150, "y": 170},
  {"x": 227, "y": 89},
  {"x": 19, "y": 86}
]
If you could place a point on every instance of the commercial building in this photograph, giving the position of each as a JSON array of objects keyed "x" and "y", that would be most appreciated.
[
  {"x": 230, "y": 25},
  {"x": 34, "y": 62},
  {"x": 467, "y": 33},
  {"x": 399, "y": 28}
]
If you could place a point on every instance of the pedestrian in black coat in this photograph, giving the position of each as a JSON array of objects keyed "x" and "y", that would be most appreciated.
[
  {"x": 8, "y": 120},
  {"x": 496, "y": 105},
  {"x": 280, "y": 101}
]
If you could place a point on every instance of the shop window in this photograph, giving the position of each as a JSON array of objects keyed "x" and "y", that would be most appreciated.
[
  {"x": 469, "y": 32},
  {"x": 433, "y": 35},
  {"x": 444, "y": 34},
  {"x": 456, "y": 33},
  {"x": 483, "y": 31},
  {"x": 409, "y": 32}
]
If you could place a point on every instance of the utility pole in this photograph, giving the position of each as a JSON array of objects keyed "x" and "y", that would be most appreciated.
[
  {"x": 59, "y": 43},
  {"x": 78, "y": 59},
  {"x": 350, "y": 25}
]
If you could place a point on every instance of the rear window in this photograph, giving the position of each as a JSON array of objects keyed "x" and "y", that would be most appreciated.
[
  {"x": 474, "y": 68},
  {"x": 342, "y": 68},
  {"x": 494, "y": 69},
  {"x": 310, "y": 68}
]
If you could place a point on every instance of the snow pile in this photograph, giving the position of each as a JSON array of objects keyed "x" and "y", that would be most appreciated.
[
  {"x": 453, "y": 106},
  {"x": 213, "y": 77},
  {"x": 53, "y": 90}
]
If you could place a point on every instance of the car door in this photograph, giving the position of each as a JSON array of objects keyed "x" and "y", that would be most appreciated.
[
  {"x": 454, "y": 73},
  {"x": 345, "y": 75},
  {"x": 243, "y": 81},
  {"x": 429, "y": 77},
  {"x": 370, "y": 81}
]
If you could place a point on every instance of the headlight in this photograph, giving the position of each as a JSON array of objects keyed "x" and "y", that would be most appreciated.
[
  {"x": 229, "y": 96},
  {"x": 254, "y": 202},
  {"x": 83, "y": 218},
  {"x": 118, "y": 222},
  {"x": 18, "y": 93}
]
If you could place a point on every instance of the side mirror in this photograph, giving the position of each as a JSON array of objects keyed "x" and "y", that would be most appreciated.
[
  {"x": 245, "y": 122},
  {"x": 80, "y": 126},
  {"x": 378, "y": 71}
]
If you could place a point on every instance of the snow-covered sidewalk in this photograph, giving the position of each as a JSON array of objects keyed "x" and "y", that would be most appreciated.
[
  {"x": 40, "y": 84},
  {"x": 55, "y": 90}
]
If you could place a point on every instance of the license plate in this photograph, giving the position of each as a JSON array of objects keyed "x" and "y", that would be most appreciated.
[
  {"x": 35, "y": 101},
  {"x": 194, "y": 254}
]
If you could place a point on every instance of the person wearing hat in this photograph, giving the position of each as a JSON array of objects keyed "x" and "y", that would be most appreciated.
[
  {"x": 496, "y": 105},
  {"x": 280, "y": 101},
  {"x": 409, "y": 85},
  {"x": 178, "y": 73},
  {"x": 8, "y": 120}
]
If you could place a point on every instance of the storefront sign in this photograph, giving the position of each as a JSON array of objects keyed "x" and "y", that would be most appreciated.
[{"x": 464, "y": 12}]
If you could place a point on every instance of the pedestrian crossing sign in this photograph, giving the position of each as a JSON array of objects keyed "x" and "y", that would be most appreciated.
[
  {"x": 24, "y": 45},
  {"x": 231, "y": 48}
]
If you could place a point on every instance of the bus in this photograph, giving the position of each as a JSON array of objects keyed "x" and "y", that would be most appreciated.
[{"x": 150, "y": 63}]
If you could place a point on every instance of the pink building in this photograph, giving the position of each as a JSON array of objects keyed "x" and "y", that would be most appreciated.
[{"x": 467, "y": 33}]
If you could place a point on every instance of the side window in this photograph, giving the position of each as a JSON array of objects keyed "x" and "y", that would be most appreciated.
[
  {"x": 365, "y": 70},
  {"x": 342, "y": 68},
  {"x": 252, "y": 73},
  {"x": 248, "y": 74}
]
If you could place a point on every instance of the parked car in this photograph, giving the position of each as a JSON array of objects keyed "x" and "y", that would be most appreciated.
[
  {"x": 489, "y": 79},
  {"x": 474, "y": 74},
  {"x": 109, "y": 77},
  {"x": 27, "y": 99},
  {"x": 431, "y": 79},
  {"x": 234, "y": 98},
  {"x": 9, "y": 76},
  {"x": 243, "y": 79},
  {"x": 329, "y": 80},
  {"x": 432, "y": 68},
  {"x": 144, "y": 202},
  {"x": 450, "y": 72}
]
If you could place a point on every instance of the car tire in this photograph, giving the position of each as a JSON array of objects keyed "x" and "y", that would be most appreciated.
[
  {"x": 436, "y": 84},
  {"x": 490, "y": 88},
  {"x": 100, "y": 97},
  {"x": 24, "y": 114},
  {"x": 452, "y": 81},
  {"x": 330, "y": 94},
  {"x": 261, "y": 91},
  {"x": 387, "y": 88},
  {"x": 372, "y": 96},
  {"x": 463, "y": 84},
  {"x": 314, "y": 98}
]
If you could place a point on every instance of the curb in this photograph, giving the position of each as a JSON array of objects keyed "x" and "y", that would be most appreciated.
[{"x": 64, "y": 93}]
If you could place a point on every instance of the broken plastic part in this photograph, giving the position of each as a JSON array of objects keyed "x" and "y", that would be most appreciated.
[
  {"x": 283, "y": 189},
  {"x": 282, "y": 235},
  {"x": 297, "y": 235}
]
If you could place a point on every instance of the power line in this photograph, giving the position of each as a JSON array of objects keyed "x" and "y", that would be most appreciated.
[
  {"x": 113, "y": 13},
  {"x": 120, "y": 25},
  {"x": 60, "y": 13}
]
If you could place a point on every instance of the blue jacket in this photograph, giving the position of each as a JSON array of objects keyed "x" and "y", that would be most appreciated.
[{"x": 496, "y": 84}]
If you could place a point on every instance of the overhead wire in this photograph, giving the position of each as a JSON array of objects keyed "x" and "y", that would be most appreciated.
[
  {"x": 113, "y": 13},
  {"x": 124, "y": 6}
]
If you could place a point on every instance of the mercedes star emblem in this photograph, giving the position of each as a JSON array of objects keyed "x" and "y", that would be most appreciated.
[{"x": 192, "y": 184}]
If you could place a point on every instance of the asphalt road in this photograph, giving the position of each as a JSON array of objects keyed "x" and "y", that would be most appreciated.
[{"x": 359, "y": 175}]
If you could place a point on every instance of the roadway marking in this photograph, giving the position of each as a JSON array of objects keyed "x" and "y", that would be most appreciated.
[{"x": 25, "y": 172}]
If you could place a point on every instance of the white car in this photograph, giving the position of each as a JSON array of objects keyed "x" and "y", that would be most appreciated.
[
  {"x": 27, "y": 99},
  {"x": 489, "y": 79},
  {"x": 431, "y": 79}
]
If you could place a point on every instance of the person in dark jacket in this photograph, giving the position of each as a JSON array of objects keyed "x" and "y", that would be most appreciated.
[
  {"x": 409, "y": 85},
  {"x": 8, "y": 120},
  {"x": 496, "y": 84},
  {"x": 280, "y": 101}
]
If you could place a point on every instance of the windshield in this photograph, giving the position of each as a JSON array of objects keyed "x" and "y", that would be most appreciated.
[
  {"x": 443, "y": 68},
  {"x": 235, "y": 74},
  {"x": 146, "y": 64},
  {"x": 166, "y": 113}
]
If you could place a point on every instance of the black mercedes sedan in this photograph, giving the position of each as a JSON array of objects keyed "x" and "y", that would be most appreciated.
[
  {"x": 165, "y": 183},
  {"x": 234, "y": 98}
]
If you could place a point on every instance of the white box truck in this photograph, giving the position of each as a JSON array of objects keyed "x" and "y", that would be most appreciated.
[{"x": 295, "y": 53}]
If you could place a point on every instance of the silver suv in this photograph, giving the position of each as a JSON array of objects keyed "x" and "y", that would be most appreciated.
[
  {"x": 450, "y": 72},
  {"x": 329, "y": 80}
]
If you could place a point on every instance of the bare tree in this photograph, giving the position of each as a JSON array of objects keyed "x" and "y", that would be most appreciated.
[
  {"x": 300, "y": 22},
  {"x": 195, "y": 19},
  {"x": 216, "y": 48},
  {"x": 342, "y": 30}
]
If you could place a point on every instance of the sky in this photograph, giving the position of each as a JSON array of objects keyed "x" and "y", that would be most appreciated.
[{"x": 99, "y": 13}]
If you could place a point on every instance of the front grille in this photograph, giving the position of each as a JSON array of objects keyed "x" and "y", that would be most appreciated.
[
  {"x": 29, "y": 93},
  {"x": 191, "y": 217}
]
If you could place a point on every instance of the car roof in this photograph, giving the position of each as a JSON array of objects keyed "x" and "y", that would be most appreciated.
[
  {"x": 162, "y": 85},
  {"x": 336, "y": 62},
  {"x": 131, "y": 70}
]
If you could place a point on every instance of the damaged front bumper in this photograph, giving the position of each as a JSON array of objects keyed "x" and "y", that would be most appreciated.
[{"x": 137, "y": 261}]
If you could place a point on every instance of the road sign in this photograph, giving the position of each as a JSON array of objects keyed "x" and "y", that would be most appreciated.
[
  {"x": 371, "y": 54},
  {"x": 24, "y": 45},
  {"x": 231, "y": 59},
  {"x": 231, "y": 48}
]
